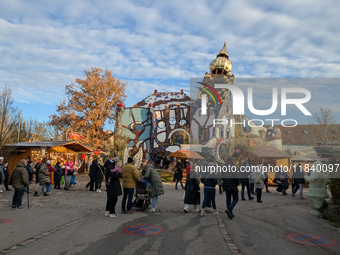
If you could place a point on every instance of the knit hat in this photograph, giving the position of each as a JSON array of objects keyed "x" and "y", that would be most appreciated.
[
  {"x": 2, "y": 158},
  {"x": 48, "y": 162}
]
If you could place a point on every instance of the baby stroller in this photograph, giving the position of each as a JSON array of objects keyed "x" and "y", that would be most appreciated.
[{"x": 142, "y": 196}]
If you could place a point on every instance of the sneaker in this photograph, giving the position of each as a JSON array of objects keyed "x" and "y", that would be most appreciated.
[
  {"x": 251, "y": 198},
  {"x": 113, "y": 215},
  {"x": 293, "y": 195},
  {"x": 268, "y": 191},
  {"x": 277, "y": 192},
  {"x": 99, "y": 191},
  {"x": 107, "y": 213},
  {"x": 259, "y": 201},
  {"x": 196, "y": 210},
  {"x": 1, "y": 190},
  {"x": 243, "y": 199},
  {"x": 13, "y": 207},
  {"x": 152, "y": 210},
  {"x": 19, "y": 208},
  {"x": 186, "y": 211}
]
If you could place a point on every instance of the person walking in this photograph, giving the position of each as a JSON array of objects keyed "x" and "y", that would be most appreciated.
[
  {"x": 299, "y": 180},
  {"x": 99, "y": 177},
  {"x": 2, "y": 173},
  {"x": 258, "y": 178},
  {"x": 130, "y": 177},
  {"x": 92, "y": 175},
  {"x": 57, "y": 175},
  {"x": 113, "y": 189},
  {"x": 20, "y": 181},
  {"x": 230, "y": 185},
  {"x": 178, "y": 174},
  {"x": 156, "y": 186},
  {"x": 192, "y": 191},
  {"x": 69, "y": 168},
  {"x": 210, "y": 182},
  {"x": 244, "y": 180},
  {"x": 6, "y": 173},
  {"x": 44, "y": 178}
]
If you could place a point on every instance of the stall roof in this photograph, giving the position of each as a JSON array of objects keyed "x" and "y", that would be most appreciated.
[
  {"x": 186, "y": 154},
  {"x": 267, "y": 152},
  {"x": 71, "y": 145}
]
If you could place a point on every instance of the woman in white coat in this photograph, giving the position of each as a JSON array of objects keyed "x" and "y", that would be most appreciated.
[{"x": 258, "y": 178}]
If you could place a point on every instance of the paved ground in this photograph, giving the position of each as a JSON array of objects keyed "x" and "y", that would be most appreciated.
[{"x": 73, "y": 222}]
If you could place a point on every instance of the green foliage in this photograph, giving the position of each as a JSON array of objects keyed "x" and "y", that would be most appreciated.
[
  {"x": 165, "y": 175},
  {"x": 332, "y": 215}
]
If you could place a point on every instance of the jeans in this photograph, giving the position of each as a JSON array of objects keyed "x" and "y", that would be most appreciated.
[
  {"x": 251, "y": 187},
  {"x": 245, "y": 185},
  {"x": 259, "y": 194},
  {"x": 91, "y": 183},
  {"x": 209, "y": 193},
  {"x": 231, "y": 205},
  {"x": 17, "y": 197},
  {"x": 127, "y": 192},
  {"x": 155, "y": 202},
  {"x": 300, "y": 187},
  {"x": 48, "y": 188},
  {"x": 66, "y": 180},
  {"x": 180, "y": 182}
]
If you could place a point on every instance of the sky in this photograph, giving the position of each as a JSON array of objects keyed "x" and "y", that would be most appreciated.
[{"x": 45, "y": 45}]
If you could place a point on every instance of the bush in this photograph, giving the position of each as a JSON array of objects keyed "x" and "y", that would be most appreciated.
[{"x": 332, "y": 215}]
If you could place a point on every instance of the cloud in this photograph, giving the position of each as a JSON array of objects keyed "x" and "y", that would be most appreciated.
[{"x": 45, "y": 45}]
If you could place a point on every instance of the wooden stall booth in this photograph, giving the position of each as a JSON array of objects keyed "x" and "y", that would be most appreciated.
[
  {"x": 186, "y": 155},
  {"x": 52, "y": 150},
  {"x": 263, "y": 155}
]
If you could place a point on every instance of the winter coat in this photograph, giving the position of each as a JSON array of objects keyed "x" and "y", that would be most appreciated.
[
  {"x": 155, "y": 180},
  {"x": 230, "y": 180},
  {"x": 93, "y": 168},
  {"x": 69, "y": 165},
  {"x": 20, "y": 176},
  {"x": 2, "y": 173},
  {"x": 298, "y": 175},
  {"x": 258, "y": 178},
  {"x": 6, "y": 172},
  {"x": 109, "y": 164},
  {"x": 209, "y": 180},
  {"x": 192, "y": 189},
  {"x": 37, "y": 167},
  {"x": 30, "y": 172},
  {"x": 178, "y": 172},
  {"x": 113, "y": 188},
  {"x": 130, "y": 176},
  {"x": 58, "y": 174},
  {"x": 282, "y": 178},
  {"x": 99, "y": 177},
  {"x": 44, "y": 177}
]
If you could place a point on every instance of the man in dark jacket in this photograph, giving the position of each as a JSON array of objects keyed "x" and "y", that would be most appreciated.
[
  {"x": 244, "y": 180},
  {"x": 178, "y": 174},
  {"x": 6, "y": 172},
  {"x": 299, "y": 180},
  {"x": 20, "y": 181},
  {"x": 92, "y": 174},
  {"x": 230, "y": 186}
]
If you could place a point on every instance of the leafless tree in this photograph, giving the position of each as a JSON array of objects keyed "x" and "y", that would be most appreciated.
[
  {"x": 326, "y": 129},
  {"x": 9, "y": 118}
]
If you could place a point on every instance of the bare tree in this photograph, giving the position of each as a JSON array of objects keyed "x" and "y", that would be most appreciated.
[
  {"x": 326, "y": 129},
  {"x": 9, "y": 117}
]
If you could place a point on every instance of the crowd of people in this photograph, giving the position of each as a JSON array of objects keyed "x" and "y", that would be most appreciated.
[
  {"x": 112, "y": 172},
  {"x": 254, "y": 181}
]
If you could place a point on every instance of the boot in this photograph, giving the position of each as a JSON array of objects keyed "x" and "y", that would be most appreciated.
[
  {"x": 202, "y": 212},
  {"x": 215, "y": 212}
]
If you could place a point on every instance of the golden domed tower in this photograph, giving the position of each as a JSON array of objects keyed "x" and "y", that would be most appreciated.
[{"x": 222, "y": 64}]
